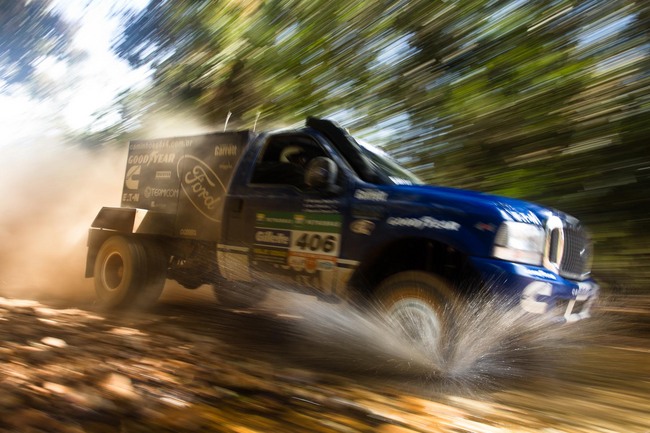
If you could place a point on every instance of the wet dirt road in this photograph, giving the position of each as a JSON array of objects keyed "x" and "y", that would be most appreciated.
[
  {"x": 191, "y": 366},
  {"x": 595, "y": 379}
]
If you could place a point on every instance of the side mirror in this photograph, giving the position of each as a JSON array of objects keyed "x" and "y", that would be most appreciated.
[{"x": 321, "y": 174}]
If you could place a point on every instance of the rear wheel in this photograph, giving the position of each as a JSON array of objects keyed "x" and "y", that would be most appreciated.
[
  {"x": 129, "y": 272},
  {"x": 157, "y": 264},
  {"x": 414, "y": 303}
]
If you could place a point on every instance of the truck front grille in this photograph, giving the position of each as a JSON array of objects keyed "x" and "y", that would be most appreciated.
[{"x": 570, "y": 251}]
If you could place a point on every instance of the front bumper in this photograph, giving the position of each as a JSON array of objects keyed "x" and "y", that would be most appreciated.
[{"x": 540, "y": 291}]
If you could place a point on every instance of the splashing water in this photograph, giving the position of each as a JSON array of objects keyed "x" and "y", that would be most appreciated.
[{"x": 486, "y": 338}]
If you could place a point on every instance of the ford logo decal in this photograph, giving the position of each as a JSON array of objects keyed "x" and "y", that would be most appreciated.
[{"x": 201, "y": 185}]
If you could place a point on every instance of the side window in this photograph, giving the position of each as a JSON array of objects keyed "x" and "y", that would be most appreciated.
[{"x": 284, "y": 160}]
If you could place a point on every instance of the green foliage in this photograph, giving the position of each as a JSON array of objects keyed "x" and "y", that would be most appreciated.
[
  {"x": 540, "y": 100},
  {"x": 281, "y": 58}
]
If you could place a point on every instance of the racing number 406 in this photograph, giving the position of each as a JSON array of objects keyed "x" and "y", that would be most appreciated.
[{"x": 316, "y": 242}]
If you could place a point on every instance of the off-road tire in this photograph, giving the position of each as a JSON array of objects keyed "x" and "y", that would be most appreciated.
[
  {"x": 129, "y": 273},
  {"x": 157, "y": 265},
  {"x": 415, "y": 303}
]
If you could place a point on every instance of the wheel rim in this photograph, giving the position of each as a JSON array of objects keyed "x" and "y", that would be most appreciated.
[
  {"x": 416, "y": 319},
  {"x": 113, "y": 272}
]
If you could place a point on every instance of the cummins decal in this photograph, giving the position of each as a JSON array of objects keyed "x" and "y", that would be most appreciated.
[
  {"x": 425, "y": 222},
  {"x": 132, "y": 178},
  {"x": 201, "y": 185}
]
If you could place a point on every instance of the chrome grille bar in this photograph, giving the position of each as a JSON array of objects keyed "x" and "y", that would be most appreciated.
[
  {"x": 577, "y": 253},
  {"x": 568, "y": 250}
]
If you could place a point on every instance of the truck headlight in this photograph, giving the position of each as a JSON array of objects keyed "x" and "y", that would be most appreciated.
[{"x": 520, "y": 242}]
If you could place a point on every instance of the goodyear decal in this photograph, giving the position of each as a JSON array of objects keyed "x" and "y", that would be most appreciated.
[{"x": 421, "y": 223}]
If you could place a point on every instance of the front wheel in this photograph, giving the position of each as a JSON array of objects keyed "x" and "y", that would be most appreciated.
[
  {"x": 414, "y": 303},
  {"x": 129, "y": 272}
]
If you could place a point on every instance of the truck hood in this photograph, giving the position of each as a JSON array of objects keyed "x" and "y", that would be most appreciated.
[{"x": 463, "y": 202}]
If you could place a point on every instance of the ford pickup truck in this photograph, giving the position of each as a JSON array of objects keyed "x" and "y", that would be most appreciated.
[{"x": 318, "y": 211}]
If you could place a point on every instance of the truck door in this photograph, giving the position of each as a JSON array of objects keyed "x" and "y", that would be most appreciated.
[{"x": 292, "y": 234}]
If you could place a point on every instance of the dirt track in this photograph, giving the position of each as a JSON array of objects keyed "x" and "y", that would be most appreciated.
[{"x": 191, "y": 366}]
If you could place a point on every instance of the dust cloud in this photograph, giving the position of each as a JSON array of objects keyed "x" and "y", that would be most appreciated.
[{"x": 51, "y": 193}]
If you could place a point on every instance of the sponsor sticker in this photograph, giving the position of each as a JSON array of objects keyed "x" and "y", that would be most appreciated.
[
  {"x": 163, "y": 175},
  {"x": 225, "y": 150},
  {"x": 271, "y": 255},
  {"x": 539, "y": 273},
  {"x": 511, "y": 214},
  {"x": 371, "y": 195},
  {"x": 320, "y": 205},
  {"x": 161, "y": 144},
  {"x": 201, "y": 185},
  {"x": 131, "y": 180},
  {"x": 306, "y": 239},
  {"x": 188, "y": 232},
  {"x": 324, "y": 265},
  {"x": 315, "y": 243},
  {"x": 421, "y": 223},
  {"x": 131, "y": 197},
  {"x": 152, "y": 158},
  {"x": 302, "y": 246},
  {"x": 322, "y": 222},
  {"x": 362, "y": 227},
  {"x": 160, "y": 192},
  {"x": 297, "y": 263},
  {"x": 272, "y": 237}
]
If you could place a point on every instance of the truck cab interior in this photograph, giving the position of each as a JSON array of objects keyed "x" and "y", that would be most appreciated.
[{"x": 284, "y": 160}]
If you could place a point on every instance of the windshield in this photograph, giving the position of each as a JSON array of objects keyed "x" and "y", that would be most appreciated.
[{"x": 387, "y": 166}]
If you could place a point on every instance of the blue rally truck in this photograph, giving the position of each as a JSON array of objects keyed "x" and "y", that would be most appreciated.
[{"x": 317, "y": 211}]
